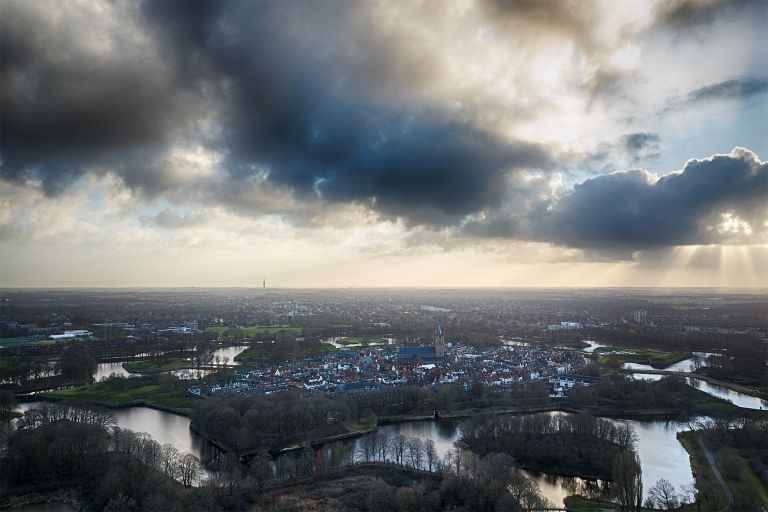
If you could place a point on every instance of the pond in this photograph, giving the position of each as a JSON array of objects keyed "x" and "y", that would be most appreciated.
[
  {"x": 164, "y": 427},
  {"x": 661, "y": 454}
]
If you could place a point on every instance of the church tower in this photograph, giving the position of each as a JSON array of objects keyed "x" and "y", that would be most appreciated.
[{"x": 439, "y": 341}]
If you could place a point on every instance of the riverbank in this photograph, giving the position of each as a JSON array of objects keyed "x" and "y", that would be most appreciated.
[
  {"x": 723, "y": 473},
  {"x": 722, "y": 383},
  {"x": 655, "y": 358},
  {"x": 110, "y": 405},
  {"x": 146, "y": 393},
  {"x": 152, "y": 366}
]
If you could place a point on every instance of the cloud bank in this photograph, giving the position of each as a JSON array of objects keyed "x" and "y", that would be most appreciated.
[{"x": 297, "y": 112}]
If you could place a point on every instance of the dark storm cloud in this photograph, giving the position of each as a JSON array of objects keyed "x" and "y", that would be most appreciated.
[
  {"x": 314, "y": 109},
  {"x": 309, "y": 102},
  {"x": 730, "y": 89},
  {"x": 734, "y": 89},
  {"x": 302, "y": 91},
  {"x": 69, "y": 105},
  {"x": 630, "y": 210},
  {"x": 641, "y": 145}
]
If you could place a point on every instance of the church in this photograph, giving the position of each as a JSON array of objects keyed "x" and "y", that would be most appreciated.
[{"x": 425, "y": 354}]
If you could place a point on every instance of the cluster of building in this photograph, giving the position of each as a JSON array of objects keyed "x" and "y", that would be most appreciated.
[{"x": 353, "y": 370}]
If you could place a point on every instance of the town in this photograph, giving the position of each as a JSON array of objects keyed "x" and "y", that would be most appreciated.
[{"x": 351, "y": 370}]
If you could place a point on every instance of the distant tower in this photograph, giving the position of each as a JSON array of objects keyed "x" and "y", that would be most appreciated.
[
  {"x": 439, "y": 341},
  {"x": 264, "y": 283}
]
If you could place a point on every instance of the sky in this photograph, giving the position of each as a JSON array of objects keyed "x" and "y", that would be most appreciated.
[{"x": 384, "y": 143}]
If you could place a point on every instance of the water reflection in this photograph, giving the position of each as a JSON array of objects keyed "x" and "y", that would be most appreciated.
[
  {"x": 164, "y": 427},
  {"x": 191, "y": 373},
  {"x": 335, "y": 342},
  {"x": 739, "y": 399},
  {"x": 592, "y": 346},
  {"x": 556, "y": 488},
  {"x": 686, "y": 365},
  {"x": 661, "y": 455},
  {"x": 229, "y": 353},
  {"x": 104, "y": 370}
]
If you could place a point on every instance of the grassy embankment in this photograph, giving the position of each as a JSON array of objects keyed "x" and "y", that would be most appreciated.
[
  {"x": 245, "y": 332},
  {"x": 656, "y": 358},
  {"x": 157, "y": 366},
  {"x": 152, "y": 394},
  {"x": 25, "y": 341},
  {"x": 733, "y": 465},
  {"x": 278, "y": 352}
]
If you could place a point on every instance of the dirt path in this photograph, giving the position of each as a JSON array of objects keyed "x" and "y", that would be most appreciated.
[{"x": 713, "y": 465}]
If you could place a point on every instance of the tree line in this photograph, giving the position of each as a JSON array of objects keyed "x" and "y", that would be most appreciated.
[
  {"x": 56, "y": 445},
  {"x": 567, "y": 444}
]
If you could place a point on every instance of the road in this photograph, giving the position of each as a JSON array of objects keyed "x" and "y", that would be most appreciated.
[{"x": 711, "y": 459}]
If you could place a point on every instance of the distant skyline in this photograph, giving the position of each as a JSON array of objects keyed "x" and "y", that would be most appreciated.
[{"x": 468, "y": 143}]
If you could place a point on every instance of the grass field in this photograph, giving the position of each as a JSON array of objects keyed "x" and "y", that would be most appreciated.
[
  {"x": 100, "y": 394},
  {"x": 269, "y": 352},
  {"x": 734, "y": 468},
  {"x": 230, "y": 332},
  {"x": 164, "y": 365},
  {"x": 737, "y": 473},
  {"x": 22, "y": 341},
  {"x": 656, "y": 358}
]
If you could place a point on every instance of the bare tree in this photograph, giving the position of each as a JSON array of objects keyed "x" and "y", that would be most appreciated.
[
  {"x": 415, "y": 452},
  {"x": 627, "y": 485},
  {"x": 397, "y": 448},
  {"x": 382, "y": 446},
  {"x": 366, "y": 448},
  {"x": 526, "y": 492},
  {"x": 688, "y": 494},
  {"x": 430, "y": 453},
  {"x": 188, "y": 469},
  {"x": 170, "y": 460},
  {"x": 662, "y": 495}
]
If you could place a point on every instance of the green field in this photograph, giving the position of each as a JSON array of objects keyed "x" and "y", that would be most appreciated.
[
  {"x": 100, "y": 394},
  {"x": 655, "y": 358},
  {"x": 231, "y": 332},
  {"x": 163, "y": 365},
  {"x": 738, "y": 474},
  {"x": 22, "y": 341},
  {"x": 278, "y": 352},
  {"x": 576, "y": 502}
]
